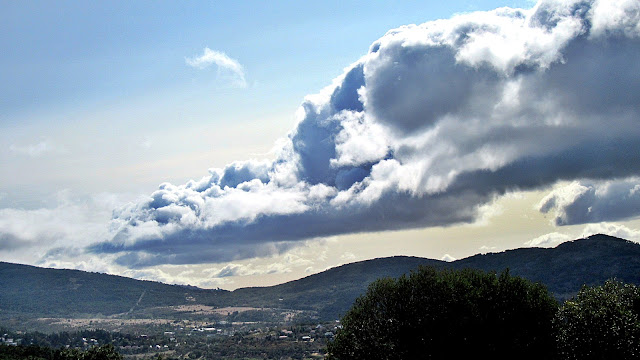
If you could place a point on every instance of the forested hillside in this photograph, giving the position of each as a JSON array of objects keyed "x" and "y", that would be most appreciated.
[
  {"x": 33, "y": 291},
  {"x": 54, "y": 292}
]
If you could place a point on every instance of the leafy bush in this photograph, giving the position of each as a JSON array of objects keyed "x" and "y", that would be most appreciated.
[
  {"x": 435, "y": 314},
  {"x": 601, "y": 322}
]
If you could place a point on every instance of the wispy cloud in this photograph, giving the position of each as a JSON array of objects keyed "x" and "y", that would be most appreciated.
[
  {"x": 69, "y": 226},
  {"x": 33, "y": 150},
  {"x": 225, "y": 64}
]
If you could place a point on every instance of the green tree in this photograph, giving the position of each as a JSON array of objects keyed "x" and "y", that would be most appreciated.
[
  {"x": 601, "y": 322},
  {"x": 434, "y": 314},
  {"x": 104, "y": 352}
]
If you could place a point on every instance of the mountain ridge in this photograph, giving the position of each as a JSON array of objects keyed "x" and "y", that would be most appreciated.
[{"x": 30, "y": 290}]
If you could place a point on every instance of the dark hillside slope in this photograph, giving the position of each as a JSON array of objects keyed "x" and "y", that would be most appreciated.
[
  {"x": 565, "y": 268},
  {"x": 330, "y": 292},
  {"x": 34, "y": 292},
  {"x": 53, "y": 292}
]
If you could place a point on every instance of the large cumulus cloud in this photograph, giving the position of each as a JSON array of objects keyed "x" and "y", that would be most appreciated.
[{"x": 435, "y": 121}]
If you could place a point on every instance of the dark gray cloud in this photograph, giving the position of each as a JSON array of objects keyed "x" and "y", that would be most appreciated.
[
  {"x": 427, "y": 84},
  {"x": 435, "y": 121},
  {"x": 10, "y": 242},
  {"x": 275, "y": 233}
]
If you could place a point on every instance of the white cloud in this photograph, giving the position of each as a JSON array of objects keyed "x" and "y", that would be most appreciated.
[
  {"x": 487, "y": 249},
  {"x": 186, "y": 277},
  {"x": 593, "y": 201},
  {"x": 616, "y": 16},
  {"x": 548, "y": 240},
  {"x": 225, "y": 64},
  {"x": 69, "y": 226},
  {"x": 33, "y": 150},
  {"x": 231, "y": 270},
  {"x": 555, "y": 238},
  {"x": 427, "y": 129},
  {"x": 359, "y": 142},
  {"x": 348, "y": 256},
  {"x": 612, "y": 229},
  {"x": 448, "y": 258},
  {"x": 486, "y": 212}
]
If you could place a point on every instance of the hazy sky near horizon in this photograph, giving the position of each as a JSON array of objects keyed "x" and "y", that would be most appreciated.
[{"x": 248, "y": 143}]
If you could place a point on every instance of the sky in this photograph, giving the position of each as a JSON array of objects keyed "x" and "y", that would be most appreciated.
[{"x": 232, "y": 144}]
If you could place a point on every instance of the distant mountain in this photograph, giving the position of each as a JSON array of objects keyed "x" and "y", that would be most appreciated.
[
  {"x": 563, "y": 269},
  {"x": 27, "y": 290},
  {"x": 30, "y": 290},
  {"x": 330, "y": 292}
]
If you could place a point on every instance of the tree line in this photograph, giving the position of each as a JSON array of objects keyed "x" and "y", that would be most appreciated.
[
  {"x": 34, "y": 352},
  {"x": 458, "y": 314}
]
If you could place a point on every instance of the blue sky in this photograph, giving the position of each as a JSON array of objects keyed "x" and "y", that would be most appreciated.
[
  {"x": 91, "y": 79},
  {"x": 69, "y": 54},
  {"x": 67, "y": 62},
  {"x": 99, "y": 105}
]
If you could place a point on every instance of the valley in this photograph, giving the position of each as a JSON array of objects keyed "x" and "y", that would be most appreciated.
[{"x": 145, "y": 318}]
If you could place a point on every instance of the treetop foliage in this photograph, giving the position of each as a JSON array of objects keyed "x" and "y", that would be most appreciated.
[
  {"x": 600, "y": 322},
  {"x": 105, "y": 352},
  {"x": 437, "y": 314}
]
